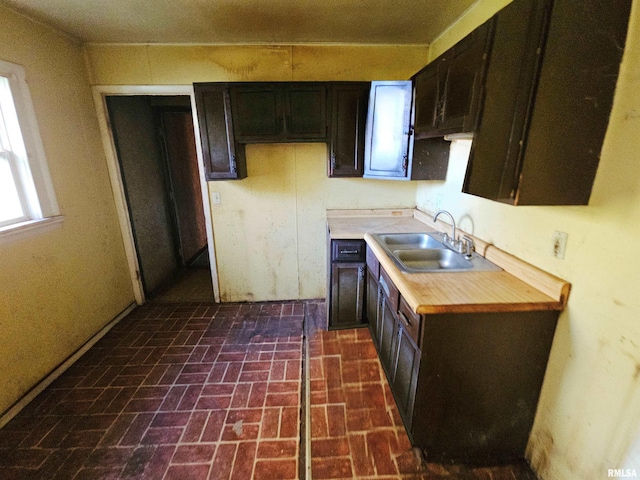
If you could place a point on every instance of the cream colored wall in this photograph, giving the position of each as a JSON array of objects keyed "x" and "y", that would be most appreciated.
[
  {"x": 59, "y": 288},
  {"x": 184, "y": 65},
  {"x": 269, "y": 228},
  {"x": 589, "y": 411}
]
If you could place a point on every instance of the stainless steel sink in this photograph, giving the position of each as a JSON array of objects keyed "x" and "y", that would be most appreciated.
[
  {"x": 426, "y": 252},
  {"x": 405, "y": 241},
  {"x": 431, "y": 259}
]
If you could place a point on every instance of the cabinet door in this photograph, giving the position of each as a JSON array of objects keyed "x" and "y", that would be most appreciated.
[
  {"x": 429, "y": 91},
  {"x": 464, "y": 81},
  {"x": 347, "y": 295},
  {"x": 257, "y": 112},
  {"x": 372, "y": 307},
  {"x": 305, "y": 111},
  {"x": 573, "y": 101},
  {"x": 348, "y": 118},
  {"x": 406, "y": 369},
  {"x": 544, "y": 118},
  {"x": 492, "y": 171},
  {"x": 223, "y": 157},
  {"x": 388, "y": 130},
  {"x": 387, "y": 328}
]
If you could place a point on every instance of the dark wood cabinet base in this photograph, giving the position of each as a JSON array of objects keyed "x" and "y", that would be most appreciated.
[
  {"x": 466, "y": 385},
  {"x": 479, "y": 384},
  {"x": 346, "y": 285}
]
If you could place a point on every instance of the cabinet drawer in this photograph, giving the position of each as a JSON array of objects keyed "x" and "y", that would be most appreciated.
[
  {"x": 372, "y": 263},
  {"x": 390, "y": 290},
  {"x": 348, "y": 250},
  {"x": 411, "y": 320}
]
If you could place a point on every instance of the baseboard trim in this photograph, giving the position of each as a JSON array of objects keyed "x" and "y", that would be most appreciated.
[{"x": 60, "y": 369}]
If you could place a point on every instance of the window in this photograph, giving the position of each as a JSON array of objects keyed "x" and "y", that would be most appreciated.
[{"x": 27, "y": 199}]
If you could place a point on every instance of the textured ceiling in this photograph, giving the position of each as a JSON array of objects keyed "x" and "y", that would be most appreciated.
[{"x": 247, "y": 21}]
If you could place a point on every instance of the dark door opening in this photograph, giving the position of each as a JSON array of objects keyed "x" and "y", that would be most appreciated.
[{"x": 155, "y": 144}]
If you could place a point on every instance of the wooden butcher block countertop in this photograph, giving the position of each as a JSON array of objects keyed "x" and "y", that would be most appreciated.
[
  {"x": 354, "y": 224},
  {"x": 518, "y": 287}
]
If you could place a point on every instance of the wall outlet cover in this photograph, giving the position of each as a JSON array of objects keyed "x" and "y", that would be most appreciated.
[{"x": 559, "y": 244}]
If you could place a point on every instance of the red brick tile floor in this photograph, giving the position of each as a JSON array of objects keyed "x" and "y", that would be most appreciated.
[
  {"x": 174, "y": 391},
  {"x": 356, "y": 429},
  {"x": 204, "y": 391}
]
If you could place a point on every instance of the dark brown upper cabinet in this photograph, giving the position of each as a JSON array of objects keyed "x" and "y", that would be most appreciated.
[
  {"x": 279, "y": 112},
  {"x": 348, "y": 118},
  {"x": 549, "y": 89},
  {"x": 223, "y": 157},
  {"x": 338, "y": 113},
  {"x": 449, "y": 89},
  {"x": 391, "y": 152},
  {"x": 429, "y": 84},
  {"x": 306, "y": 111}
]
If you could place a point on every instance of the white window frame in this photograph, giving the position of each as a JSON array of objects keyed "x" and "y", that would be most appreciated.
[{"x": 28, "y": 162}]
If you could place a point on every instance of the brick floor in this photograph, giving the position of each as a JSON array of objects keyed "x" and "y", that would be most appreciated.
[
  {"x": 203, "y": 391},
  {"x": 356, "y": 430},
  {"x": 174, "y": 391}
]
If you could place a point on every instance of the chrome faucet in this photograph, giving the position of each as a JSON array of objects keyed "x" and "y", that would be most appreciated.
[
  {"x": 464, "y": 245},
  {"x": 453, "y": 226}
]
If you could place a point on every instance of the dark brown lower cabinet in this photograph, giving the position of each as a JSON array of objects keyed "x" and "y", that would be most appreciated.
[
  {"x": 405, "y": 367},
  {"x": 386, "y": 328},
  {"x": 374, "y": 301},
  {"x": 466, "y": 385},
  {"x": 347, "y": 295},
  {"x": 479, "y": 384},
  {"x": 347, "y": 284},
  {"x": 392, "y": 334},
  {"x": 372, "y": 295},
  {"x": 373, "y": 305}
]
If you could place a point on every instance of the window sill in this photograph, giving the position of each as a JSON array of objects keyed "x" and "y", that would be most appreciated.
[{"x": 31, "y": 228}]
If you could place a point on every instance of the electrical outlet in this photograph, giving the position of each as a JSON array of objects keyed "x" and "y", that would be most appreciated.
[
  {"x": 559, "y": 244},
  {"x": 439, "y": 200},
  {"x": 215, "y": 197}
]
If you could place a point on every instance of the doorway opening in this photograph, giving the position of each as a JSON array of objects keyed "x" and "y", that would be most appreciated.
[{"x": 155, "y": 145}]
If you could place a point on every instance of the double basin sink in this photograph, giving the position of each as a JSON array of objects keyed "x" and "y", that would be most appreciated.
[{"x": 427, "y": 252}]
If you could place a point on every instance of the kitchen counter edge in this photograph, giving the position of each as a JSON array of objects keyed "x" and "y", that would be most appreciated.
[{"x": 519, "y": 287}]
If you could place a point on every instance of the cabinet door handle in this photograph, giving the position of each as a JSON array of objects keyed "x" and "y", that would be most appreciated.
[
  {"x": 384, "y": 286},
  {"x": 405, "y": 319},
  {"x": 349, "y": 252},
  {"x": 333, "y": 161},
  {"x": 405, "y": 163}
]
